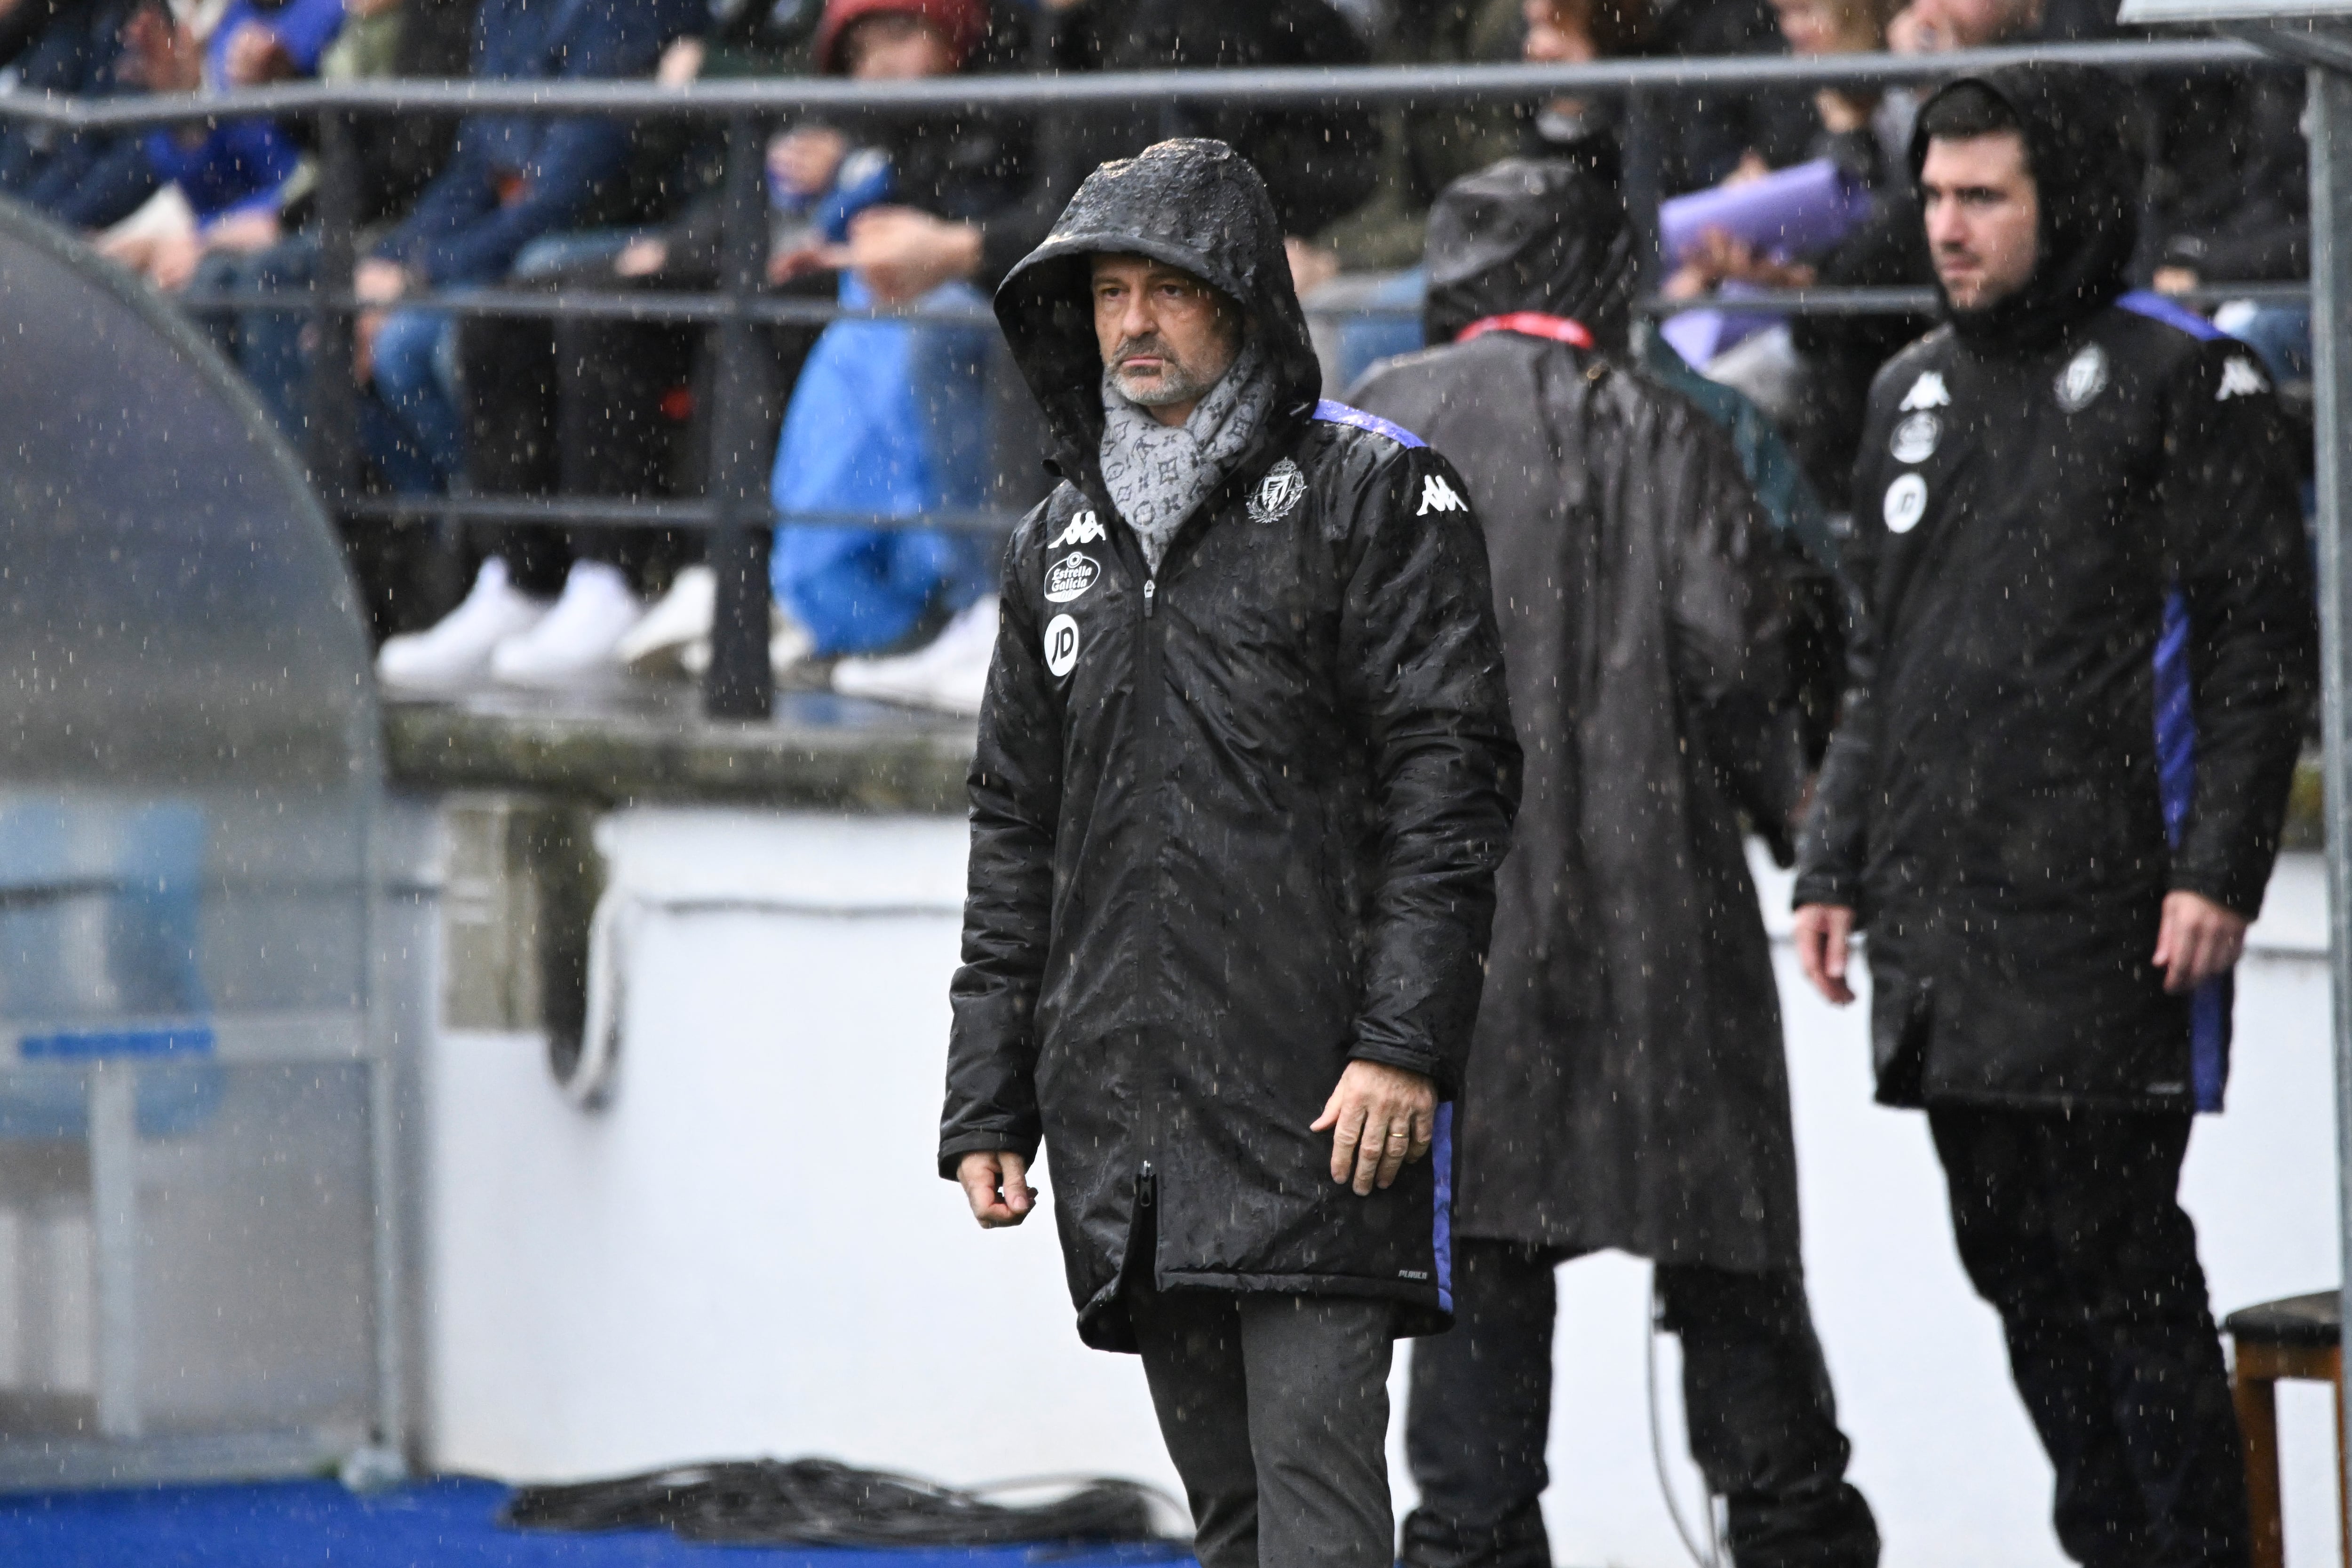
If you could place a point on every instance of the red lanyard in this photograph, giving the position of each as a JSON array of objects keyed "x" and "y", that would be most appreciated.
[{"x": 1533, "y": 323}]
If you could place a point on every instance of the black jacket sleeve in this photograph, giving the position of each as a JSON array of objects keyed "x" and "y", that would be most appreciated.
[
  {"x": 2234, "y": 530},
  {"x": 1731, "y": 626},
  {"x": 1016, "y": 801},
  {"x": 1421, "y": 674},
  {"x": 1832, "y": 844}
]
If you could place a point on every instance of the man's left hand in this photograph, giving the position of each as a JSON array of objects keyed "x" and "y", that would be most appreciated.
[
  {"x": 1380, "y": 1119},
  {"x": 2198, "y": 940}
]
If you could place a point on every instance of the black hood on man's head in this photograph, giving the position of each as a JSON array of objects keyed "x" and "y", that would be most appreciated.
[
  {"x": 1193, "y": 203},
  {"x": 2083, "y": 153},
  {"x": 1530, "y": 234}
]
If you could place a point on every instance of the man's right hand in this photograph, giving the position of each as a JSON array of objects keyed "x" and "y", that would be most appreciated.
[
  {"x": 996, "y": 1185},
  {"x": 1825, "y": 932}
]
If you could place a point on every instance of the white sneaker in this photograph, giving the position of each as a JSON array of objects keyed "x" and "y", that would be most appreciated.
[
  {"x": 950, "y": 673},
  {"x": 790, "y": 643},
  {"x": 456, "y": 654},
  {"x": 574, "y": 643},
  {"x": 656, "y": 645}
]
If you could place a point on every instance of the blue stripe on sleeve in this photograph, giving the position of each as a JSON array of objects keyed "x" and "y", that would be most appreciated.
[
  {"x": 1442, "y": 1225},
  {"x": 1333, "y": 412},
  {"x": 2171, "y": 312},
  {"x": 2175, "y": 784}
]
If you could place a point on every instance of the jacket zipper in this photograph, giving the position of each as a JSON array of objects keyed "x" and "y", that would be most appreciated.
[{"x": 1151, "y": 587}]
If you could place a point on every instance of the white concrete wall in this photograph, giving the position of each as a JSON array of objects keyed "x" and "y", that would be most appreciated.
[{"x": 748, "y": 1252}]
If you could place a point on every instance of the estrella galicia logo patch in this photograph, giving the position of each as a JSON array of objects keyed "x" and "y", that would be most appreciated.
[
  {"x": 1278, "y": 493},
  {"x": 1905, "y": 504},
  {"x": 1083, "y": 530},
  {"x": 1069, "y": 577},
  {"x": 1060, "y": 646},
  {"x": 2084, "y": 378},
  {"x": 1915, "y": 439}
]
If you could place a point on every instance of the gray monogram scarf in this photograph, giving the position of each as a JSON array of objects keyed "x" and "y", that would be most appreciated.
[{"x": 1157, "y": 473}]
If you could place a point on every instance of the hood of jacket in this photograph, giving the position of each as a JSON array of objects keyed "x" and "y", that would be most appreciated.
[
  {"x": 1530, "y": 234},
  {"x": 1193, "y": 203},
  {"x": 2088, "y": 172}
]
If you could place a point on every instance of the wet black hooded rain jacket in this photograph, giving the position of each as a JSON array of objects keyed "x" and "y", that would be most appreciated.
[
  {"x": 1235, "y": 823},
  {"x": 1628, "y": 1087},
  {"x": 2081, "y": 672}
]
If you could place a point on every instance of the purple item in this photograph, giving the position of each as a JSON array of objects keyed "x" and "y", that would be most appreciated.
[
  {"x": 1698, "y": 336},
  {"x": 1798, "y": 211}
]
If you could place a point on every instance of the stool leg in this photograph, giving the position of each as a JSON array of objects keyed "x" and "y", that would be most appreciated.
[
  {"x": 2343, "y": 1501},
  {"x": 2257, "y": 1400}
]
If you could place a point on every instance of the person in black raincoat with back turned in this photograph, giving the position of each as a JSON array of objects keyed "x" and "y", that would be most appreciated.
[
  {"x": 1628, "y": 1089},
  {"x": 2084, "y": 654},
  {"x": 1245, "y": 771}
]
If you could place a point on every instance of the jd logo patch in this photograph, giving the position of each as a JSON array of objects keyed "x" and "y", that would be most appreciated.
[
  {"x": 1071, "y": 576},
  {"x": 1278, "y": 493},
  {"x": 2084, "y": 378},
  {"x": 1083, "y": 530},
  {"x": 1060, "y": 646},
  {"x": 1905, "y": 504},
  {"x": 1915, "y": 439},
  {"x": 1437, "y": 496}
]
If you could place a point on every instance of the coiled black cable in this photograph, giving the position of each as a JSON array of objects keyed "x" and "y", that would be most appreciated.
[{"x": 822, "y": 1502}]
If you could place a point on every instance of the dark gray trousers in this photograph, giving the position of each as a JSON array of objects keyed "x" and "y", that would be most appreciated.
[
  {"x": 1763, "y": 1424},
  {"x": 1276, "y": 1411}
]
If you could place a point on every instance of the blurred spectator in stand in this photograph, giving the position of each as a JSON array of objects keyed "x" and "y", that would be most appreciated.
[
  {"x": 84, "y": 180},
  {"x": 1319, "y": 164},
  {"x": 396, "y": 156},
  {"x": 2232, "y": 203},
  {"x": 904, "y": 218},
  {"x": 512, "y": 179},
  {"x": 231, "y": 178}
]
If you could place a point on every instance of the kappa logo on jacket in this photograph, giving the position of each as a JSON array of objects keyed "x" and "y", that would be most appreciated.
[
  {"x": 2084, "y": 378},
  {"x": 1927, "y": 392},
  {"x": 1282, "y": 489},
  {"x": 2240, "y": 379},
  {"x": 1083, "y": 530},
  {"x": 1437, "y": 496}
]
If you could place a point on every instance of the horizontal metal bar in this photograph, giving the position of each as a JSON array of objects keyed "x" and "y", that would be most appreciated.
[
  {"x": 605, "y": 512},
  {"x": 1359, "y": 86},
  {"x": 1925, "y": 302}
]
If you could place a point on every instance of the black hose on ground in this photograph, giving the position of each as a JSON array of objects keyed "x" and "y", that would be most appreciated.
[{"x": 776, "y": 1502}]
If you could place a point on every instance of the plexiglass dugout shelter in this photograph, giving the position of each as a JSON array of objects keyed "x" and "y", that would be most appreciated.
[{"x": 195, "y": 1234}]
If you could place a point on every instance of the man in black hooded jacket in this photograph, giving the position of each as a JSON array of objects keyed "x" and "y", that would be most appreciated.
[
  {"x": 2084, "y": 651},
  {"x": 1245, "y": 771},
  {"x": 1628, "y": 1087}
]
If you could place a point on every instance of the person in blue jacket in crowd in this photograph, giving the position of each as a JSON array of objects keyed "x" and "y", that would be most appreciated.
[
  {"x": 234, "y": 174},
  {"x": 512, "y": 179}
]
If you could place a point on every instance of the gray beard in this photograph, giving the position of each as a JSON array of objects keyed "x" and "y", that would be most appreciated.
[{"x": 1156, "y": 473}]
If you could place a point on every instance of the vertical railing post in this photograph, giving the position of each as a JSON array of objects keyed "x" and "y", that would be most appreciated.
[
  {"x": 331, "y": 400},
  {"x": 2330, "y": 121},
  {"x": 1643, "y": 150},
  {"x": 739, "y": 685}
]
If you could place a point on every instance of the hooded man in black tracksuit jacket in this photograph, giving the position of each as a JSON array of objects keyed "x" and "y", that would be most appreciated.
[
  {"x": 2083, "y": 659},
  {"x": 1630, "y": 1087},
  {"x": 1245, "y": 771}
]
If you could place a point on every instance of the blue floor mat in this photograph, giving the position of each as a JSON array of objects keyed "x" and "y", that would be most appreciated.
[{"x": 437, "y": 1524}]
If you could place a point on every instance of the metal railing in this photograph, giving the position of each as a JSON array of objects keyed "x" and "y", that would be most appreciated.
[{"x": 734, "y": 511}]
